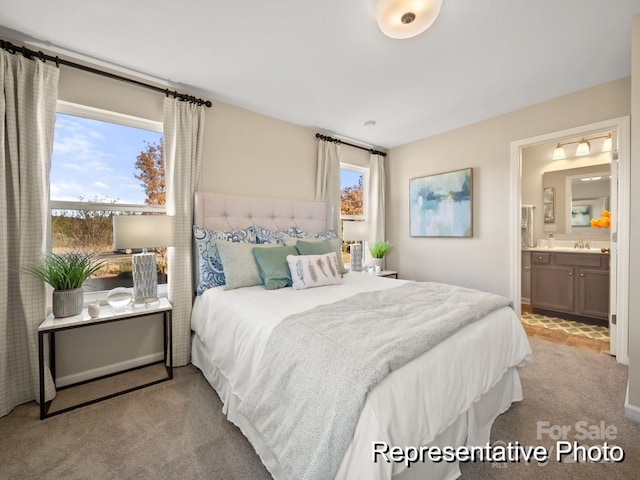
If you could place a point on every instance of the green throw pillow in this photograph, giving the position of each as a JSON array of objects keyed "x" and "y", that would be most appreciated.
[
  {"x": 320, "y": 247},
  {"x": 273, "y": 266},
  {"x": 313, "y": 247}
]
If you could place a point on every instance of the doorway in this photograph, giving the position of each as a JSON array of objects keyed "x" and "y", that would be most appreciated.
[{"x": 619, "y": 273}]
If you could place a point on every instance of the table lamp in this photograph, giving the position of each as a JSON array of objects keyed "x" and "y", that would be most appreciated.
[
  {"x": 143, "y": 231},
  {"x": 358, "y": 232}
]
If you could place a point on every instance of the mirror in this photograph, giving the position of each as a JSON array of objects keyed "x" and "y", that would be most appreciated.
[{"x": 580, "y": 195}]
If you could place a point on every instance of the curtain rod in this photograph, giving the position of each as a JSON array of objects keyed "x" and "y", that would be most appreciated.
[
  {"x": 337, "y": 140},
  {"x": 40, "y": 55}
]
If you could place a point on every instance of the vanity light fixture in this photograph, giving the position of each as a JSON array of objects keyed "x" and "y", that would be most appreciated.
[
  {"x": 584, "y": 147},
  {"x": 406, "y": 18}
]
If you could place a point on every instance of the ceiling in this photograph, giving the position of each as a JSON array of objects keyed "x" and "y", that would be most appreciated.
[{"x": 324, "y": 64}]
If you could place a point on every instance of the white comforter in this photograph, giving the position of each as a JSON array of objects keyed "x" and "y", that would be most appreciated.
[{"x": 436, "y": 388}]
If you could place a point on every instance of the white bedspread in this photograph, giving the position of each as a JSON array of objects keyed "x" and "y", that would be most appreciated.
[{"x": 436, "y": 388}]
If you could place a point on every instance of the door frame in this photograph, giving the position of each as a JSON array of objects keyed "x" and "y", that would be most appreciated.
[{"x": 622, "y": 125}]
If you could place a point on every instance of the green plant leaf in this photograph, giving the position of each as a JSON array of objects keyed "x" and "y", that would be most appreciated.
[
  {"x": 65, "y": 271},
  {"x": 379, "y": 249}
]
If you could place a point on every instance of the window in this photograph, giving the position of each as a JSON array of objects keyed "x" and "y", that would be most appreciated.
[
  {"x": 103, "y": 164},
  {"x": 353, "y": 187},
  {"x": 353, "y": 183}
]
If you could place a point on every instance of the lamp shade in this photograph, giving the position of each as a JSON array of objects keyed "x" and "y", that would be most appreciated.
[
  {"x": 558, "y": 153},
  {"x": 406, "y": 18},
  {"x": 355, "y": 231},
  {"x": 142, "y": 231},
  {"x": 583, "y": 148}
]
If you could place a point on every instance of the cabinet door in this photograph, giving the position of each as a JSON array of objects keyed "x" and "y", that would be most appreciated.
[
  {"x": 593, "y": 293},
  {"x": 552, "y": 287}
]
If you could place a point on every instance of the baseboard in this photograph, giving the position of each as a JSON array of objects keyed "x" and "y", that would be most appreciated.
[
  {"x": 525, "y": 301},
  {"x": 108, "y": 369},
  {"x": 631, "y": 411}
]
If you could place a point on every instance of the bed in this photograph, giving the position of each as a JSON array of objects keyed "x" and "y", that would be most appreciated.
[{"x": 447, "y": 396}]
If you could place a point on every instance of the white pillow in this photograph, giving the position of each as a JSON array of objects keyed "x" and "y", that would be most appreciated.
[{"x": 314, "y": 270}]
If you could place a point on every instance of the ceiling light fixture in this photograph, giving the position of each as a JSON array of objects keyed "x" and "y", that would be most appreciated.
[
  {"x": 406, "y": 18},
  {"x": 584, "y": 147}
]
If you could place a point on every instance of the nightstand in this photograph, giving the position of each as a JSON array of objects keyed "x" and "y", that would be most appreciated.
[
  {"x": 107, "y": 314},
  {"x": 388, "y": 273}
]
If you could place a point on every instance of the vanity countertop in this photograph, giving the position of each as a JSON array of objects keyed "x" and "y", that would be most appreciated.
[{"x": 566, "y": 250}]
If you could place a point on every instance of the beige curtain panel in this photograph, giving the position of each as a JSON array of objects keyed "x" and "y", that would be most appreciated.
[
  {"x": 27, "y": 121},
  {"x": 328, "y": 178},
  {"x": 183, "y": 126}
]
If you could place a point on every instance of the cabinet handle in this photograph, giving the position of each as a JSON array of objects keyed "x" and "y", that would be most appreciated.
[
  {"x": 539, "y": 258},
  {"x": 571, "y": 274},
  {"x": 582, "y": 274}
]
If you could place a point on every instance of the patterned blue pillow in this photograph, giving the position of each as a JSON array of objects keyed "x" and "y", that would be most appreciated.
[
  {"x": 328, "y": 235},
  {"x": 265, "y": 235},
  {"x": 209, "y": 262}
]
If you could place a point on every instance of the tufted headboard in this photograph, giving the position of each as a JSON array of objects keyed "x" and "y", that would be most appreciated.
[{"x": 217, "y": 211}]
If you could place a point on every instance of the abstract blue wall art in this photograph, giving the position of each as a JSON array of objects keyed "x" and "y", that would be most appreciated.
[{"x": 442, "y": 205}]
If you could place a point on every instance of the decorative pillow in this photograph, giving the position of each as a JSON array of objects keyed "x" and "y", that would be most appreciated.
[
  {"x": 316, "y": 247},
  {"x": 265, "y": 235},
  {"x": 314, "y": 270},
  {"x": 211, "y": 273},
  {"x": 328, "y": 235},
  {"x": 273, "y": 266},
  {"x": 240, "y": 267}
]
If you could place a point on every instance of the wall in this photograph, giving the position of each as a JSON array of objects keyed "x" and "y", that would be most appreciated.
[
  {"x": 633, "y": 406},
  {"x": 481, "y": 261},
  {"x": 243, "y": 153}
]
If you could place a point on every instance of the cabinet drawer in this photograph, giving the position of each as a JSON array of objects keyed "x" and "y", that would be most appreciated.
[
  {"x": 579, "y": 259},
  {"x": 537, "y": 257}
]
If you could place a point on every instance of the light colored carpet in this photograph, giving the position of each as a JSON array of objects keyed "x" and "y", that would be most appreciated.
[{"x": 176, "y": 430}]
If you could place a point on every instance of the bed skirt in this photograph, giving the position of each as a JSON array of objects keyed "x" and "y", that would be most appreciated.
[{"x": 472, "y": 427}]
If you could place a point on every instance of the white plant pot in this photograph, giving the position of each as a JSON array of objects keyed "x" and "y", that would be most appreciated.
[
  {"x": 67, "y": 303},
  {"x": 378, "y": 263}
]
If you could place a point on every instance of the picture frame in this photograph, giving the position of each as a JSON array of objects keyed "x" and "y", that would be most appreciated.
[
  {"x": 441, "y": 205},
  {"x": 549, "y": 204},
  {"x": 581, "y": 215}
]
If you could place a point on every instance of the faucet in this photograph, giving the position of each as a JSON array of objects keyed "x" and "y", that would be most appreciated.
[{"x": 580, "y": 244}]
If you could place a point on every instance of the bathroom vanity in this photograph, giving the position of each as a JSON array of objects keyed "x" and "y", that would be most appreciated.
[{"x": 571, "y": 284}]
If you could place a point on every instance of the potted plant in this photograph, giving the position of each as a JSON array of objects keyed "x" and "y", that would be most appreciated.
[
  {"x": 378, "y": 250},
  {"x": 66, "y": 273}
]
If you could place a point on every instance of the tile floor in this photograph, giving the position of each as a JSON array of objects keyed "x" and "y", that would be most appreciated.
[{"x": 582, "y": 335}]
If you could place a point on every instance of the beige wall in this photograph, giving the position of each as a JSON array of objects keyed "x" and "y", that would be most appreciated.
[
  {"x": 243, "y": 153},
  {"x": 634, "y": 253},
  {"x": 481, "y": 261}
]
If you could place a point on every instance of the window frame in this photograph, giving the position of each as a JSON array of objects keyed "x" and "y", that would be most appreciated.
[
  {"x": 92, "y": 113},
  {"x": 365, "y": 190}
]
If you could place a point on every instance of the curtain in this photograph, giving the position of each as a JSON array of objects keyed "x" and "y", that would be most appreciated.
[
  {"x": 183, "y": 130},
  {"x": 375, "y": 200},
  {"x": 27, "y": 121},
  {"x": 328, "y": 178}
]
